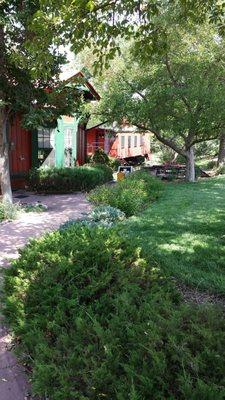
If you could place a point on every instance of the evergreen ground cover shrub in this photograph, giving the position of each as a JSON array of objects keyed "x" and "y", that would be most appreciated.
[
  {"x": 97, "y": 321},
  {"x": 131, "y": 195},
  {"x": 68, "y": 180}
]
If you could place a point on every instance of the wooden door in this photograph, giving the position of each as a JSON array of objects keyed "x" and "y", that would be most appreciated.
[{"x": 20, "y": 148}]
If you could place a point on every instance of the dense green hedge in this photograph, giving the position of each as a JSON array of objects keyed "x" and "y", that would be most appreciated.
[
  {"x": 67, "y": 180},
  {"x": 131, "y": 195},
  {"x": 95, "y": 321}
]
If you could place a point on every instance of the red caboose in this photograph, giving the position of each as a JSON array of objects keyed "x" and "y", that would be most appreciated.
[{"x": 125, "y": 142}]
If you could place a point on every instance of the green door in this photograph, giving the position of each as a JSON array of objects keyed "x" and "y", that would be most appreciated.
[{"x": 66, "y": 142}]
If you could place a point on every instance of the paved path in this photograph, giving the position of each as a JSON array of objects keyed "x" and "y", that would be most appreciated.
[{"x": 14, "y": 235}]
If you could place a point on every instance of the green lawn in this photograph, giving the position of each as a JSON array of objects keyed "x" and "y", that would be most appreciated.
[{"x": 184, "y": 232}]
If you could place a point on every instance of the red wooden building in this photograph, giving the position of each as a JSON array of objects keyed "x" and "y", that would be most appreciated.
[
  {"x": 125, "y": 142},
  {"x": 63, "y": 146}
]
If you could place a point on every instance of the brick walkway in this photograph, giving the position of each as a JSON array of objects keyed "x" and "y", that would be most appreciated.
[{"x": 14, "y": 235}]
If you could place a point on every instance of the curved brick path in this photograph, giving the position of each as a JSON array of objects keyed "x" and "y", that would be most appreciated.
[{"x": 14, "y": 235}]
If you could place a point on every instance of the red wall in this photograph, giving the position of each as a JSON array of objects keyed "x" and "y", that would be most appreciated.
[
  {"x": 81, "y": 145},
  {"x": 95, "y": 140}
]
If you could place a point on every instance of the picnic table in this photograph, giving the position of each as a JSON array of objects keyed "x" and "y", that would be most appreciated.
[{"x": 169, "y": 171}]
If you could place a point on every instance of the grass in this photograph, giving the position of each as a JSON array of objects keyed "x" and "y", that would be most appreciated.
[
  {"x": 206, "y": 163},
  {"x": 184, "y": 232},
  {"x": 94, "y": 318}
]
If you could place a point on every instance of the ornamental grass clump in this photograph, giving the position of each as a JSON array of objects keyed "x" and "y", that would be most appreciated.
[
  {"x": 130, "y": 195},
  {"x": 8, "y": 211},
  {"x": 94, "y": 320}
]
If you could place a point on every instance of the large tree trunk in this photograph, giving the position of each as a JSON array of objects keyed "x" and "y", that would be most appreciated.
[
  {"x": 4, "y": 159},
  {"x": 190, "y": 165},
  {"x": 221, "y": 155}
]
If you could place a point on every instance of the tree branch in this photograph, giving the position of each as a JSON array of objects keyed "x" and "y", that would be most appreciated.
[
  {"x": 163, "y": 140},
  {"x": 135, "y": 90},
  {"x": 204, "y": 140},
  {"x": 105, "y": 5},
  {"x": 176, "y": 84}
]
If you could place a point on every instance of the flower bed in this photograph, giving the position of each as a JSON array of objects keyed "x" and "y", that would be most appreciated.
[{"x": 131, "y": 195}]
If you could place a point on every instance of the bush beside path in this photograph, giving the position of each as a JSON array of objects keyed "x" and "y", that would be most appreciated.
[{"x": 13, "y": 236}]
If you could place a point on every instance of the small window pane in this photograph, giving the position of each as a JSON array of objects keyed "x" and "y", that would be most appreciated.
[
  {"x": 135, "y": 141},
  {"x": 44, "y": 138},
  {"x": 68, "y": 138},
  {"x": 129, "y": 141},
  {"x": 122, "y": 142}
]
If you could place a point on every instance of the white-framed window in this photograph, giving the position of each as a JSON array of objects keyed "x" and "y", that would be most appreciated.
[
  {"x": 44, "y": 138},
  {"x": 129, "y": 142},
  {"x": 122, "y": 142},
  {"x": 68, "y": 138},
  {"x": 135, "y": 141}
]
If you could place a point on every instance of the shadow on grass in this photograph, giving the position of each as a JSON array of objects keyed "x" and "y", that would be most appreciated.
[{"x": 185, "y": 233}]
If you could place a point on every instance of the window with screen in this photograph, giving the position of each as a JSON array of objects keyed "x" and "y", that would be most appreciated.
[
  {"x": 122, "y": 142},
  {"x": 129, "y": 141},
  {"x": 135, "y": 141},
  {"x": 68, "y": 138},
  {"x": 44, "y": 138}
]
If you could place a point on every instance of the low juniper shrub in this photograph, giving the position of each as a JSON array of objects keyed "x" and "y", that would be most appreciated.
[{"x": 94, "y": 320}]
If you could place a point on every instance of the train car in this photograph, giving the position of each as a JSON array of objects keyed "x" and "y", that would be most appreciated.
[{"x": 124, "y": 143}]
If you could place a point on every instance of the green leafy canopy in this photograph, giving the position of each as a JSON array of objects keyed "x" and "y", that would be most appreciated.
[{"x": 178, "y": 93}]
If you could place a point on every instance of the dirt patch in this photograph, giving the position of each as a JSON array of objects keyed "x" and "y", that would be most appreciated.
[{"x": 193, "y": 295}]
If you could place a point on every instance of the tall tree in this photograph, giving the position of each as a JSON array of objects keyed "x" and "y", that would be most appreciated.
[
  {"x": 178, "y": 94},
  {"x": 29, "y": 74},
  {"x": 221, "y": 153}
]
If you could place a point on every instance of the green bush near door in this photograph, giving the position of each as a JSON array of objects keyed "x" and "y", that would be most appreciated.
[{"x": 68, "y": 180}]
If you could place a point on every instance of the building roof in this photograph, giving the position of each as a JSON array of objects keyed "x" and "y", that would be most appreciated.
[
  {"x": 82, "y": 83},
  {"x": 115, "y": 127}
]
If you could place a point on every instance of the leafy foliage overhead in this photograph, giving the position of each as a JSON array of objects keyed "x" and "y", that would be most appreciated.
[
  {"x": 102, "y": 22},
  {"x": 30, "y": 65},
  {"x": 177, "y": 94}
]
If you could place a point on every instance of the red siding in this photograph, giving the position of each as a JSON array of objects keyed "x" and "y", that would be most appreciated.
[
  {"x": 81, "y": 145},
  {"x": 95, "y": 140},
  {"x": 97, "y": 137},
  {"x": 20, "y": 148}
]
